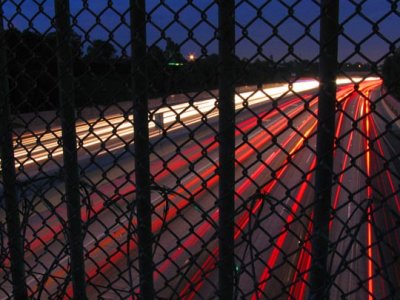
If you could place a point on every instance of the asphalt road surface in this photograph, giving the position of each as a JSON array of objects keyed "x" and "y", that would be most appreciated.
[{"x": 275, "y": 162}]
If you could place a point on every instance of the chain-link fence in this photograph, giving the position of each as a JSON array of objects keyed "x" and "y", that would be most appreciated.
[{"x": 200, "y": 149}]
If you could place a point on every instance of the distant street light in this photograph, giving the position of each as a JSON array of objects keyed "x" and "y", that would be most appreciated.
[{"x": 191, "y": 57}]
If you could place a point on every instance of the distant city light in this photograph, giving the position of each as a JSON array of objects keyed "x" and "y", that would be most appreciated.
[{"x": 191, "y": 57}]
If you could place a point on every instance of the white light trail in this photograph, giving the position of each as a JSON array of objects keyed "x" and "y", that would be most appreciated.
[{"x": 33, "y": 150}]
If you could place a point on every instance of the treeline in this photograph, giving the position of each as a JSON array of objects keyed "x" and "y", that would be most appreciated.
[
  {"x": 391, "y": 73},
  {"x": 103, "y": 77}
]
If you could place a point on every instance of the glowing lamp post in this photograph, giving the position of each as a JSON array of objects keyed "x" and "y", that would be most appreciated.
[{"x": 191, "y": 57}]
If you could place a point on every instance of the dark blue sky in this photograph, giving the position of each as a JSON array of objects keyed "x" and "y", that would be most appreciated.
[{"x": 251, "y": 31}]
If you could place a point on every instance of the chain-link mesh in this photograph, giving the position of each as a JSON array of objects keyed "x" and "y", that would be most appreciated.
[{"x": 200, "y": 149}]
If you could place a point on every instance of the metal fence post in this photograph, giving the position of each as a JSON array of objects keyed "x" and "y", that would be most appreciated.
[
  {"x": 15, "y": 241},
  {"x": 142, "y": 151},
  {"x": 329, "y": 29},
  {"x": 71, "y": 167},
  {"x": 226, "y": 104}
]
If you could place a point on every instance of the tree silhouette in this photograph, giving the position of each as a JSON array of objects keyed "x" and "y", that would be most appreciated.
[
  {"x": 32, "y": 68},
  {"x": 103, "y": 79},
  {"x": 391, "y": 73},
  {"x": 173, "y": 53},
  {"x": 157, "y": 70},
  {"x": 101, "y": 51}
]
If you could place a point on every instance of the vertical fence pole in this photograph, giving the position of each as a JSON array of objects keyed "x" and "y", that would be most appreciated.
[
  {"x": 71, "y": 167},
  {"x": 142, "y": 151},
  {"x": 15, "y": 240},
  {"x": 226, "y": 106},
  {"x": 329, "y": 29}
]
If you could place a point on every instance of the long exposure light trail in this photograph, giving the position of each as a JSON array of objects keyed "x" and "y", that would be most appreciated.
[
  {"x": 210, "y": 182},
  {"x": 197, "y": 279},
  {"x": 280, "y": 134},
  {"x": 31, "y": 150},
  {"x": 196, "y": 189},
  {"x": 369, "y": 195},
  {"x": 278, "y": 245},
  {"x": 173, "y": 166},
  {"x": 304, "y": 260}
]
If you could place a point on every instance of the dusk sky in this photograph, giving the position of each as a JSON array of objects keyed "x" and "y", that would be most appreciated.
[{"x": 251, "y": 30}]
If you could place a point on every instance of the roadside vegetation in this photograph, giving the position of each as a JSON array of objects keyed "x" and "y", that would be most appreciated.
[
  {"x": 103, "y": 74},
  {"x": 391, "y": 74}
]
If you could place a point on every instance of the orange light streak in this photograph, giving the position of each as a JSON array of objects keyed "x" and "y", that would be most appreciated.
[
  {"x": 369, "y": 195},
  {"x": 304, "y": 261},
  {"x": 208, "y": 264}
]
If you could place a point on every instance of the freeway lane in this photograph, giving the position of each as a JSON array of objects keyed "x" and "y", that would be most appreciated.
[
  {"x": 385, "y": 207},
  {"x": 46, "y": 236},
  {"x": 40, "y": 151},
  {"x": 278, "y": 274},
  {"x": 271, "y": 227},
  {"x": 361, "y": 249},
  {"x": 350, "y": 203},
  {"x": 179, "y": 272},
  {"x": 205, "y": 200}
]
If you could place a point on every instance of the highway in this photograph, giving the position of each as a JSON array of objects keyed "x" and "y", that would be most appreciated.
[{"x": 275, "y": 163}]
